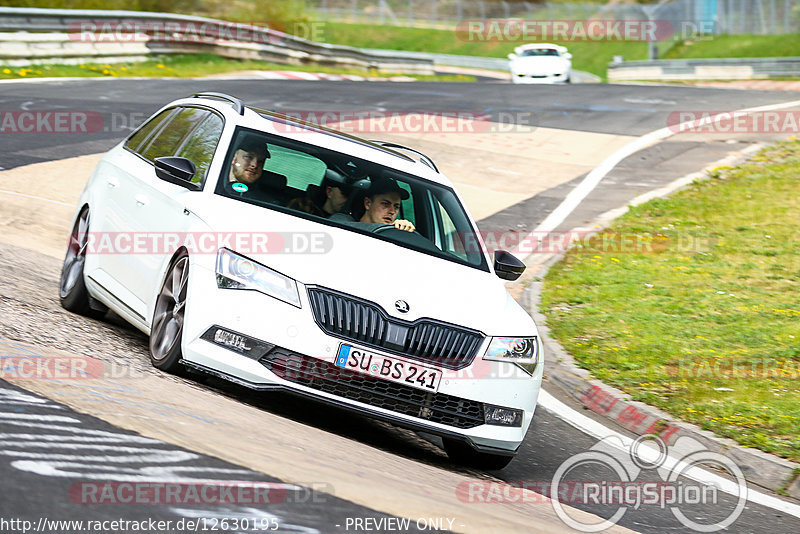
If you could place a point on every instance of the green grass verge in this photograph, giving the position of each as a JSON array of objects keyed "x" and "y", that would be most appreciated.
[
  {"x": 706, "y": 325},
  {"x": 592, "y": 57},
  {"x": 723, "y": 46},
  {"x": 188, "y": 66}
]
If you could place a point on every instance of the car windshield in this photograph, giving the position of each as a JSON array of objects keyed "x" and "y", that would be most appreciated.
[
  {"x": 539, "y": 52},
  {"x": 329, "y": 187}
]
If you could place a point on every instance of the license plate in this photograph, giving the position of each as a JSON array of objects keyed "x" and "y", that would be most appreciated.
[{"x": 388, "y": 368}]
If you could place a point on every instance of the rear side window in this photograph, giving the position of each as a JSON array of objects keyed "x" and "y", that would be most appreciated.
[
  {"x": 168, "y": 140},
  {"x": 136, "y": 140},
  {"x": 299, "y": 168},
  {"x": 201, "y": 144}
]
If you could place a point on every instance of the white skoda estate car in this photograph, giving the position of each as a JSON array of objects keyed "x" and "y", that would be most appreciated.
[{"x": 210, "y": 229}]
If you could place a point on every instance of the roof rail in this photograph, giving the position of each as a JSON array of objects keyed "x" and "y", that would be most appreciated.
[
  {"x": 423, "y": 158},
  {"x": 238, "y": 105}
]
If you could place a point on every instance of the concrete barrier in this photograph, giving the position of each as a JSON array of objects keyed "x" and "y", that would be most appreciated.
[
  {"x": 704, "y": 69},
  {"x": 30, "y": 36}
]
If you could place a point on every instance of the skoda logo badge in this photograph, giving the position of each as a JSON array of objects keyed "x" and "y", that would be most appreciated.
[{"x": 401, "y": 306}]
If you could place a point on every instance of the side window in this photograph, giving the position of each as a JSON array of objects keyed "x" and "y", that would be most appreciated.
[
  {"x": 167, "y": 141},
  {"x": 299, "y": 168},
  {"x": 407, "y": 209},
  {"x": 445, "y": 232},
  {"x": 201, "y": 144},
  {"x": 135, "y": 141}
]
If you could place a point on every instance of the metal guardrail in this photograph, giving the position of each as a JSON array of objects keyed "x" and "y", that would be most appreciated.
[
  {"x": 705, "y": 69},
  {"x": 475, "y": 62},
  {"x": 48, "y": 34}
]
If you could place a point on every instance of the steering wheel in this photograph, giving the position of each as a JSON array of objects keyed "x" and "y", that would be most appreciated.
[
  {"x": 414, "y": 238},
  {"x": 382, "y": 229}
]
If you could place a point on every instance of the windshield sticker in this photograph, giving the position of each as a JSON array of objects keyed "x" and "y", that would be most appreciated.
[{"x": 239, "y": 187}]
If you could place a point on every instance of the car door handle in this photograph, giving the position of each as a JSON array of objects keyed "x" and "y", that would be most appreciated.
[
  {"x": 112, "y": 181},
  {"x": 141, "y": 200}
]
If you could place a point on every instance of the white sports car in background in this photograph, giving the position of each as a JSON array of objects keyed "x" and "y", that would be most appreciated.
[
  {"x": 540, "y": 63},
  {"x": 198, "y": 229}
]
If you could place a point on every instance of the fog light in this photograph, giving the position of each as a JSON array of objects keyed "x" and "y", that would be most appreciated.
[
  {"x": 250, "y": 347},
  {"x": 499, "y": 416}
]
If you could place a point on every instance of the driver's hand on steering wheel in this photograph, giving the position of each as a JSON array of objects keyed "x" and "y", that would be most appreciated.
[{"x": 402, "y": 224}]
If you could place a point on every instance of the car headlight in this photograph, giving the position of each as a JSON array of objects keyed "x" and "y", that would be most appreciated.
[
  {"x": 521, "y": 351},
  {"x": 237, "y": 272}
]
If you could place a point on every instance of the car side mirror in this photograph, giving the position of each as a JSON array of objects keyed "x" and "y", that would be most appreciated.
[
  {"x": 507, "y": 266},
  {"x": 512, "y": 56},
  {"x": 178, "y": 171},
  {"x": 568, "y": 55}
]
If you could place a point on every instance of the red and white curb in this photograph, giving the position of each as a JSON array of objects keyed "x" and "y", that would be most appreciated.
[{"x": 306, "y": 76}]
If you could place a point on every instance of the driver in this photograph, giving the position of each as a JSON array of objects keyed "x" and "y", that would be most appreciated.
[{"x": 382, "y": 204}]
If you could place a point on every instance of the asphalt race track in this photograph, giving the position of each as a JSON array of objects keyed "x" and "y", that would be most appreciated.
[{"x": 324, "y": 468}]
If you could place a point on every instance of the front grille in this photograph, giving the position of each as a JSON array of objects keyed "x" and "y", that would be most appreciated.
[
  {"x": 324, "y": 376},
  {"x": 365, "y": 322}
]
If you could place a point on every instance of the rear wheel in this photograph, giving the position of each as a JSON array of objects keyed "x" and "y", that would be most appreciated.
[
  {"x": 72, "y": 287},
  {"x": 166, "y": 332},
  {"x": 462, "y": 454}
]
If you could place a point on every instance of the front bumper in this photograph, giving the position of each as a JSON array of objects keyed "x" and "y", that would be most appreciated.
[
  {"x": 298, "y": 356},
  {"x": 522, "y": 78}
]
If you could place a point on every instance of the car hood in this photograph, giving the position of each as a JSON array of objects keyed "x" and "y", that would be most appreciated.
[
  {"x": 540, "y": 65},
  {"x": 380, "y": 271}
]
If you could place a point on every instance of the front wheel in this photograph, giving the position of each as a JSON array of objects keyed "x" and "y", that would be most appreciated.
[
  {"x": 166, "y": 332},
  {"x": 462, "y": 454},
  {"x": 72, "y": 287}
]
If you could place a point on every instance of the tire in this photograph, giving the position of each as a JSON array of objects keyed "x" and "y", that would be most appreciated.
[
  {"x": 462, "y": 454},
  {"x": 166, "y": 332},
  {"x": 72, "y": 290}
]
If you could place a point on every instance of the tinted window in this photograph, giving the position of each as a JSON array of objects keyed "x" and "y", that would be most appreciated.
[
  {"x": 294, "y": 180},
  {"x": 134, "y": 142},
  {"x": 167, "y": 141},
  {"x": 299, "y": 168},
  {"x": 201, "y": 144}
]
